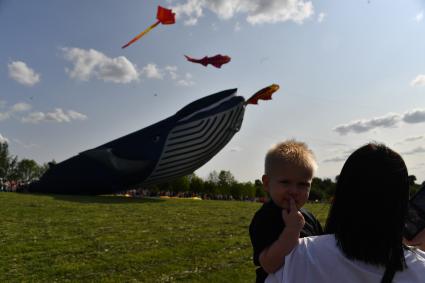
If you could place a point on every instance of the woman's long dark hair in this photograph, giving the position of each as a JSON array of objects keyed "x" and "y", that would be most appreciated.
[{"x": 369, "y": 208}]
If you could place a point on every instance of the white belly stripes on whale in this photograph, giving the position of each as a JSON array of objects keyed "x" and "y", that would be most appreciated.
[{"x": 190, "y": 145}]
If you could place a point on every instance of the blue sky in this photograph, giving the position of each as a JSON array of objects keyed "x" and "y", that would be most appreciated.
[{"x": 349, "y": 72}]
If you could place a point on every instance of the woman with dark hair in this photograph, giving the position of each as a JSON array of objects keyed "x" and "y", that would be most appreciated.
[{"x": 364, "y": 229}]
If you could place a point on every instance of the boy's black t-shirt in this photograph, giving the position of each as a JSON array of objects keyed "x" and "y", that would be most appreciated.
[{"x": 266, "y": 226}]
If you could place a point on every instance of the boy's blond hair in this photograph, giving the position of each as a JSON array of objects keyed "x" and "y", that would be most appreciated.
[{"x": 292, "y": 152}]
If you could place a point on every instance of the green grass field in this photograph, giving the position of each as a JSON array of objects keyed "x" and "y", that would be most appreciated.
[{"x": 52, "y": 238}]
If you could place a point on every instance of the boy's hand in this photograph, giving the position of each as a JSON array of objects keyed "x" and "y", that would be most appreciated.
[{"x": 292, "y": 217}]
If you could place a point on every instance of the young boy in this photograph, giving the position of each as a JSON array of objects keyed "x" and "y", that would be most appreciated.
[{"x": 277, "y": 225}]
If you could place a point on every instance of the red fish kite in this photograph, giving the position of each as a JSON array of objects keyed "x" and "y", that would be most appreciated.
[
  {"x": 216, "y": 60},
  {"x": 264, "y": 94},
  {"x": 164, "y": 16}
]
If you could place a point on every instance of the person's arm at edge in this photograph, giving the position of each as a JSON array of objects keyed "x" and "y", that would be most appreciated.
[
  {"x": 418, "y": 241},
  {"x": 273, "y": 257}
]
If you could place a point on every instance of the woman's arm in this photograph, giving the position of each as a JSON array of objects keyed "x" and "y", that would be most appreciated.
[{"x": 418, "y": 241}]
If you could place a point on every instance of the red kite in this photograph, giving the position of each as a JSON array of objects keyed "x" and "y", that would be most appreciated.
[
  {"x": 264, "y": 94},
  {"x": 164, "y": 16},
  {"x": 216, "y": 60}
]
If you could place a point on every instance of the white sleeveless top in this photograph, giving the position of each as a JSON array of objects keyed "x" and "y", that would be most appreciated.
[{"x": 318, "y": 259}]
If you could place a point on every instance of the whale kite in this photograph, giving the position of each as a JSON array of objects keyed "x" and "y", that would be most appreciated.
[{"x": 171, "y": 148}]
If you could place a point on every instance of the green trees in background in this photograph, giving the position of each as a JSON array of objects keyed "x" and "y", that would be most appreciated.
[
  {"x": 12, "y": 169},
  {"x": 218, "y": 185},
  {"x": 196, "y": 184},
  {"x": 7, "y": 162},
  {"x": 322, "y": 190},
  {"x": 223, "y": 185},
  {"x": 27, "y": 170},
  {"x": 413, "y": 186}
]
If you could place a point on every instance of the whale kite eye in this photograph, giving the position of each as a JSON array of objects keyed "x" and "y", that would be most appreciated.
[{"x": 156, "y": 139}]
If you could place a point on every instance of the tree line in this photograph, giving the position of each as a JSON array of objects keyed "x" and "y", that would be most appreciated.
[
  {"x": 223, "y": 185},
  {"x": 218, "y": 185},
  {"x": 14, "y": 172}
]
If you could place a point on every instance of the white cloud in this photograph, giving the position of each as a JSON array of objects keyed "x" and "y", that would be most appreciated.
[
  {"x": 92, "y": 63},
  {"x": 25, "y": 145},
  {"x": 388, "y": 121},
  {"x": 335, "y": 159},
  {"x": 58, "y": 115},
  {"x": 172, "y": 70},
  {"x": 360, "y": 126},
  {"x": 33, "y": 117},
  {"x": 321, "y": 17},
  {"x": 187, "y": 81},
  {"x": 411, "y": 139},
  {"x": 190, "y": 22},
  {"x": 20, "y": 107},
  {"x": 88, "y": 64},
  {"x": 74, "y": 115},
  {"x": 419, "y": 17},
  {"x": 20, "y": 72},
  {"x": 151, "y": 71},
  {"x": 4, "y": 116},
  {"x": 419, "y": 149},
  {"x": 414, "y": 116},
  {"x": 118, "y": 70},
  {"x": 237, "y": 27},
  {"x": 418, "y": 81},
  {"x": 3, "y": 139},
  {"x": 257, "y": 11},
  {"x": 192, "y": 9}
]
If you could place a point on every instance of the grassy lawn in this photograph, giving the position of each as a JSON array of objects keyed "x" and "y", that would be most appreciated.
[{"x": 52, "y": 238}]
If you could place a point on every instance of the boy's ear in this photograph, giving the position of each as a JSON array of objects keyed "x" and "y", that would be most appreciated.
[{"x": 265, "y": 180}]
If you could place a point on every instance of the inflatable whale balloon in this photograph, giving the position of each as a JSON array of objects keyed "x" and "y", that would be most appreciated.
[{"x": 171, "y": 148}]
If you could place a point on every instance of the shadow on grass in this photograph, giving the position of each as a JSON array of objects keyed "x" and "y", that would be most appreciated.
[{"x": 107, "y": 199}]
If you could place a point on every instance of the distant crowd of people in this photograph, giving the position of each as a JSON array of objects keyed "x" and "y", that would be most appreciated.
[
  {"x": 140, "y": 193},
  {"x": 10, "y": 186}
]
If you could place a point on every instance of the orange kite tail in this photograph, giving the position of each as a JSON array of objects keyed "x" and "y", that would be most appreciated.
[
  {"x": 141, "y": 34},
  {"x": 264, "y": 94}
]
